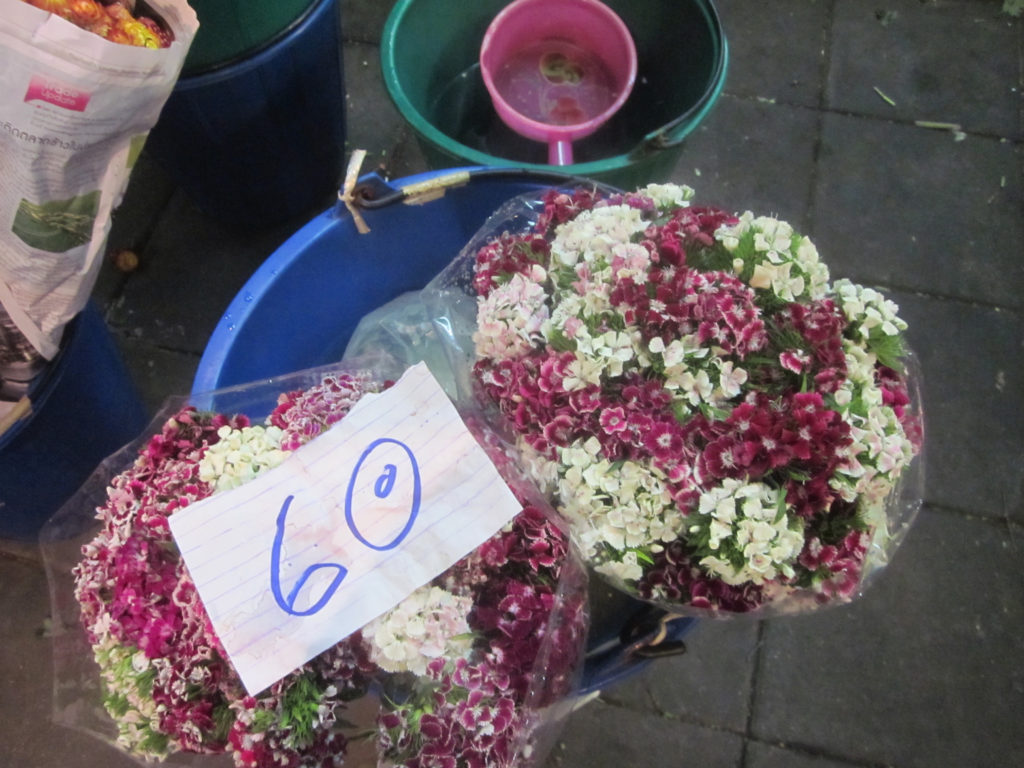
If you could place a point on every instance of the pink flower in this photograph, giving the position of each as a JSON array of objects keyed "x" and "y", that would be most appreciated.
[
  {"x": 613, "y": 420},
  {"x": 664, "y": 440},
  {"x": 794, "y": 360},
  {"x": 724, "y": 382}
]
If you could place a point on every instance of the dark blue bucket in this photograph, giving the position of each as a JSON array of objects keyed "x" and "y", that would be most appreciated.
[
  {"x": 260, "y": 140},
  {"x": 299, "y": 309},
  {"x": 84, "y": 406}
]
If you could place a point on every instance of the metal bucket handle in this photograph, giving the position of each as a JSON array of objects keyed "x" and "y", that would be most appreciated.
[{"x": 373, "y": 192}]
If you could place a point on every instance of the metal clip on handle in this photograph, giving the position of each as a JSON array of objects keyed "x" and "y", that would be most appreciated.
[
  {"x": 645, "y": 636},
  {"x": 373, "y": 192}
]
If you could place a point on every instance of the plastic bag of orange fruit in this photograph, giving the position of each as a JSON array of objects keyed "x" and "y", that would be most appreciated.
[{"x": 113, "y": 20}]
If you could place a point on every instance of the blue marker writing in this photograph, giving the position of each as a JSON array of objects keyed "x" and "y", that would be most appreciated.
[
  {"x": 382, "y": 488},
  {"x": 287, "y": 603}
]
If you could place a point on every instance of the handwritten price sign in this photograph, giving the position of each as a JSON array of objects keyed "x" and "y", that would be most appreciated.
[{"x": 352, "y": 523}]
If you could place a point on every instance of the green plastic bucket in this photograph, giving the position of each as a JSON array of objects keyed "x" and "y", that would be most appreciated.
[
  {"x": 231, "y": 29},
  {"x": 429, "y": 56}
]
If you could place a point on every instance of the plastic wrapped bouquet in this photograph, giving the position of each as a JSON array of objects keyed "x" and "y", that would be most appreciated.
[
  {"x": 725, "y": 429},
  {"x": 465, "y": 671}
]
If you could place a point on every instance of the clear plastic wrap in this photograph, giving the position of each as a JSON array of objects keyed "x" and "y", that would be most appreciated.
[
  {"x": 481, "y": 664},
  {"x": 727, "y": 430}
]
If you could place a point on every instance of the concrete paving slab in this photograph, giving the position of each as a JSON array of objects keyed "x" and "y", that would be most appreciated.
[
  {"x": 778, "y": 56},
  {"x": 603, "y": 736},
  {"x": 973, "y": 391},
  {"x": 362, "y": 22},
  {"x": 916, "y": 209},
  {"x": 191, "y": 268},
  {"x": 373, "y": 123},
  {"x": 753, "y": 155},
  {"x": 922, "y": 671},
  {"x": 709, "y": 685},
  {"x": 954, "y": 62},
  {"x": 158, "y": 373},
  {"x": 760, "y": 755}
]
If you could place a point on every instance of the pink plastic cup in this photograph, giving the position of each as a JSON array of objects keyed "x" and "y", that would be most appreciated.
[{"x": 557, "y": 70}]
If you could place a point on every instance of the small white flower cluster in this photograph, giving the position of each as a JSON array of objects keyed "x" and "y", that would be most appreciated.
[
  {"x": 783, "y": 262},
  {"x": 584, "y": 251},
  {"x": 669, "y": 196},
  {"x": 880, "y": 449},
  {"x": 240, "y": 455},
  {"x": 590, "y": 237},
  {"x": 608, "y": 352},
  {"x": 591, "y": 253},
  {"x": 428, "y": 624},
  {"x": 868, "y": 311},
  {"x": 120, "y": 669},
  {"x": 510, "y": 318},
  {"x": 694, "y": 375},
  {"x": 750, "y": 519},
  {"x": 625, "y": 505},
  {"x": 876, "y": 458},
  {"x": 575, "y": 312}
]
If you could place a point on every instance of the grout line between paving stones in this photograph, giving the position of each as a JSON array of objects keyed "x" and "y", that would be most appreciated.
[
  {"x": 748, "y": 726},
  {"x": 808, "y": 751},
  {"x": 906, "y": 122}
]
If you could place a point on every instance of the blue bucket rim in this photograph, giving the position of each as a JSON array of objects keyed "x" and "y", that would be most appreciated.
[{"x": 247, "y": 299}]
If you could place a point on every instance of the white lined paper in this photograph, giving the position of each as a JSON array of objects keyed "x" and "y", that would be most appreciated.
[{"x": 227, "y": 539}]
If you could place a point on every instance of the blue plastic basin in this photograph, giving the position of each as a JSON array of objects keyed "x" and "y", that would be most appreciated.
[
  {"x": 84, "y": 407},
  {"x": 299, "y": 309}
]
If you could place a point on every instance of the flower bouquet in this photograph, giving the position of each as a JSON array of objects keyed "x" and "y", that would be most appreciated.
[
  {"x": 465, "y": 671},
  {"x": 725, "y": 430}
]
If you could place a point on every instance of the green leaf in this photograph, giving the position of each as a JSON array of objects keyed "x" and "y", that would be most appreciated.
[
  {"x": 155, "y": 743},
  {"x": 714, "y": 258},
  {"x": 643, "y": 557},
  {"x": 223, "y": 719},
  {"x": 889, "y": 350},
  {"x": 560, "y": 342},
  {"x": 57, "y": 226}
]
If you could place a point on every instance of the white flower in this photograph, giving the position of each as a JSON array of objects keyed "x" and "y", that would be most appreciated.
[
  {"x": 730, "y": 380},
  {"x": 748, "y": 519},
  {"x": 510, "y": 318},
  {"x": 582, "y": 372},
  {"x": 607, "y": 352},
  {"x": 695, "y": 388},
  {"x": 241, "y": 454},
  {"x": 628, "y": 569},
  {"x": 669, "y": 195},
  {"x": 428, "y": 624},
  {"x": 623, "y": 505},
  {"x": 779, "y": 260},
  {"x": 866, "y": 309},
  {"x": 633, "y": 261},
  {"x": 592, "y": 234}
]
